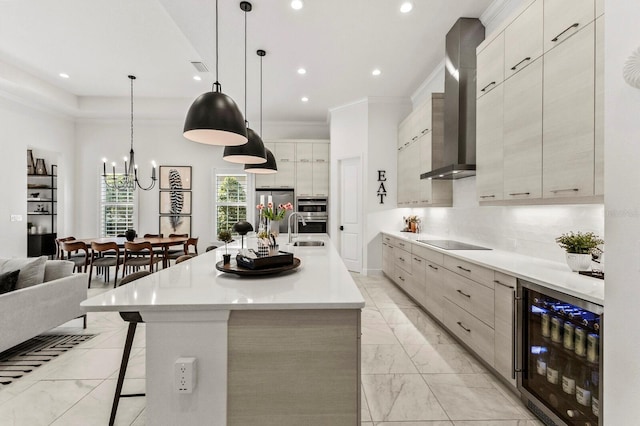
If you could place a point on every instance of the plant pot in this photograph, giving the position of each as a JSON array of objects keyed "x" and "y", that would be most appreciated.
[
  {"x": 130, "y": 235},
  {"x": 226, "y": 259},
  {"x": 579, "y": 262}
]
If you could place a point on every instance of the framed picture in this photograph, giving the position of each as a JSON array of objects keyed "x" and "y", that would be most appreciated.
[
  {"x": 175, "y": 178},
  {"x": 175, "y": 225},
  {"x": 175, "y": 202}
]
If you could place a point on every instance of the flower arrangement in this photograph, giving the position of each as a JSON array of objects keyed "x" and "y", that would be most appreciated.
[
  {"x": 274, "y": 213},
  {"x": 411, "y": 223}
]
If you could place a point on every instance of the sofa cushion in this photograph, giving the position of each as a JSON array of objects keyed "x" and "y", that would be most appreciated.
[
  {"x": 31, "y": 270},
  {"x": 8, "y": 281},
  {"x": 55, "y": 269}
]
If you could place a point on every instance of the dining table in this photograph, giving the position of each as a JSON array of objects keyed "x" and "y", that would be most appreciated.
[{"x": 161, "y": 242}]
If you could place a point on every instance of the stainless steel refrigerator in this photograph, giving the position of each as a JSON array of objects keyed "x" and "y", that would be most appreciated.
[{"x": 279, "y": 196}]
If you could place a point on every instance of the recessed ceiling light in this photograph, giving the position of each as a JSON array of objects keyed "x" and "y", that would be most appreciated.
[
  {"x": 376, "y": 72},
  {"x": 297, "y": 4},
  {"x": 197, "y": 78},
  {"x": 64, "y": 75},
  {"x": 304, "y": 99},
  {"x": 302, "y": 71},
  {"x": 406, "y": 7}
]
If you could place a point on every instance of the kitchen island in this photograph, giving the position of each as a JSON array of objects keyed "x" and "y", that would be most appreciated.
[{"x": 274, "y": 350}]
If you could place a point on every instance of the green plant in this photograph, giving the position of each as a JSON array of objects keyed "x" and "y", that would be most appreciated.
[
  {"x": 225, "y": 236},
  {"x": 580, "y": 242}
]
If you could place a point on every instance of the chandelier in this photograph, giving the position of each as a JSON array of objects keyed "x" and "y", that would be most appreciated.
[{"x": 128, "y": 180}]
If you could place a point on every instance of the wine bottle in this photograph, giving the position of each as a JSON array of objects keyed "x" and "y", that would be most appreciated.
[
  {"x": 567, "y": 340},
  {"x": 569, "y": 377},
  {"x": 584, "y": 388},
  {"x": 593, "y": 344},
  {"x": 556, "y": 329},
  {"x": 580, "y": 341},
  {"x": 553, "y": 368},
  {"x": 595, "y": 392},
  {"x": 546, "y": 324},
  {"x": 541, "y": 362}
]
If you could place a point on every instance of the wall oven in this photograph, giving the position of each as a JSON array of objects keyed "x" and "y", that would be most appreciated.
[
  {"x": 560, "y": 343},
  {"x": 315, "y": 213}
]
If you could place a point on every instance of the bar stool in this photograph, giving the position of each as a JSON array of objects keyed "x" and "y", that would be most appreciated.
[
  {"x": 99, "y": 260},
  {"x": 133, "y": 318},
  {"x": 138, "y": 255}
]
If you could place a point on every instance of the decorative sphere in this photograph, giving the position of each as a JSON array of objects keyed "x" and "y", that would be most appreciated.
[{"x": 243, "y": 227}]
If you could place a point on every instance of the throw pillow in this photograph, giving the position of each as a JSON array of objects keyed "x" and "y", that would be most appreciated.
[
  {"x": 55, "y": 269},
  {"x": 31, "y": 270},
  {"x": 8, "y": 281}
]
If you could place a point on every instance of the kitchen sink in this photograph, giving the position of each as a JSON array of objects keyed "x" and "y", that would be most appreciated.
[{"x": 309, "y": 243}]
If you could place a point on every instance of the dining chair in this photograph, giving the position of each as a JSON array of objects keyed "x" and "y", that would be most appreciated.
[
  {"x": 184, "y": 258},
  {"x": 211, "y": 248},
  {"x": 172, "y": 252},
  {"x": 133, "y": 318},
  {"x": 59, "y": 241},
  {"x": 72, "y": 248},
  {"x": 191, "y": 242},
  {"x": 137, "y": 255},
  {"x": 157, "y": 251},
  {"x": 99, "y": 260}
]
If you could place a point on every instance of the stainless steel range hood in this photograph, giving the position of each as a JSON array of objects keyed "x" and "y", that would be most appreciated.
[{"x": 460, "y": 101}]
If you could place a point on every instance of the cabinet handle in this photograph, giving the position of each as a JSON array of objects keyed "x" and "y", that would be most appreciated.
[
  {"x": 487, "y": 86},
  {"x": 417, "y": 260},
  {"x": 401, "y": 259},
  {"x": 424, "y": 201},
  {"x": 488, "y": 196},
  {"x": 559, "y": 35},
  {"x": 414, "y": 138},
  {"x": 514, "y": 328},
  {"x": 284, "y": 160},
  {"x": 503, "y": 284},
  {"x": 464, "y": 269},
  {"x": 320, "y": 160},
  {"x": 433, "y": 267},
  {"x": 565, "y": 190},
  {"x": 515, "y": 194},
  {"x": 468, "y": 330},
  {"x": 406, "y": 143},
  {"x": 424, "y": 131},
  {"x": 401, "y": 244},
  {"x": 304, "y": 160},
  {"x": 513, "y": 68},
  {"x": 401, "y": 279},
  {"x": 464, "y": 294}
]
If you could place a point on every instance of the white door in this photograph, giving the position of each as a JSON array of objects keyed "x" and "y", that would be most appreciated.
[{"x": 350, "y": 220}]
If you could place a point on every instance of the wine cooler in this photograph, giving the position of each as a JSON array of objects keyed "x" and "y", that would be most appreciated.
[{"x": 560, "y": 345}]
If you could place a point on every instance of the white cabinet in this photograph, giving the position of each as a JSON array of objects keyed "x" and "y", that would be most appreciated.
[
  {"x": 565, "y": 18},
  {"x": 568, "y": 117},
  {"x": 285, "y": 152},
  {"x": 523, "y": 134},
  {"x": 320, "y": 179},
  {"x": 388, "y": 258},
  {"x": 489, "y": 149},
  {"x": 490, "y": 66},
  {"x": 286, "y": 176},
  {"x": 505, "y": 289},
  {"x": 304, "y": 179},
  {"x": 304, "y": 152},
  {"x": 523, "y": 40},
  {"x": 599, "y": 106},
  {"x": 320, "y": 152}
]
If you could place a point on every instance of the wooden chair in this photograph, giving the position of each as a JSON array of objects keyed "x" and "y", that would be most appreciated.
[
  {"x": 211, "y": 248},
  {"x": 73, "y": 248},
  {"x": 99, "y": 260},
  {"x": 137, "y": 255},
  {"x": 133, "y": 318},
  {"x": 191, "y": 242},
  {"x": 173, "y": 252},
  {"x": 184, "y": 257},
  {"x": 59, "y": 241},
  {"x": 157, "y": 251}
]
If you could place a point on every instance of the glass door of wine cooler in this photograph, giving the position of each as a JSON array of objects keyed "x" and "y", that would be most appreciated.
[{"x": 561, "y": 346}]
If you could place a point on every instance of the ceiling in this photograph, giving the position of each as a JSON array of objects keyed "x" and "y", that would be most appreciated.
[{"x": 98, "y": 43}]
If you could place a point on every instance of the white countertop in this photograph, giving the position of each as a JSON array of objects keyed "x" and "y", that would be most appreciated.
[
  {"x": 554, "y": 275},
  {"x": 320, "y": 282}
]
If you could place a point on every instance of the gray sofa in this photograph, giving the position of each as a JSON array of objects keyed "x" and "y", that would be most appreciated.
[{"x": 38, "y": 307}]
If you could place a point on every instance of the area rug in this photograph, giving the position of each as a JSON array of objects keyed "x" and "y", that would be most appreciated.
[{"x": 27, "y": 356}]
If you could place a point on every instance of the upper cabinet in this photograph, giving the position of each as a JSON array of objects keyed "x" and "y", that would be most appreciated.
[
  {"x": 490, "y": 66},
  {"x": 303, "y": 166},
  {"x": 523, "y": 40},
  {"x": 564, "y": 18},
  {"x": 599, "y": 100},
  {"x": 599, "y": 8},
  {"x": 489, "y": 139}
]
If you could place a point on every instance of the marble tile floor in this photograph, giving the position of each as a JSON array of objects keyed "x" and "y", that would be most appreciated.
[{"x": 413, "y": 373}]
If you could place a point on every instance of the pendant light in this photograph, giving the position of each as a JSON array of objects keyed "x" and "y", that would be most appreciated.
[
  {"x": 214, "y": 118},
  {"x": 253, "y": 151},
  {"x": 129, "y": 179},
  {"x": 270, "y": 166}
]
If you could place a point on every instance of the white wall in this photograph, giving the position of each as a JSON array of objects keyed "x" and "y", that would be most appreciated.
[
  {"x": 622, "y": 213},
  {"x": 51, "y": 137}
]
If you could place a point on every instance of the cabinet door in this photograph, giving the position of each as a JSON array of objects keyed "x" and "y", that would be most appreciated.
[
  {"x": 489, "y": 136},
  {"x": 599, "y": 101},
  {"x": 404, "y": 132},
  {"x": 565, "y": 18},
  {"x": 388, "y": 260},
  {"x": 304, "y": 152},
  {"x": 285, "y": 178},
  {"x": 321, "y": 179},
  {"x": 568, "y": 117},
  {"x": 523, "y": 40},
  {"x": 434, "y": 291},
  {"x": 403, "y": 189},
  {"x": 490, "y": 66},
  {"x": 523, "y": 134},
  {"x": 599, "y": 8},
  {"x": 304, "y": 179},
  {"x": 423, "y": 119},
  {"x": 321, "y": 152},
  {"x": 504, "y": 326},
  {"x": 416, "y": 287},
  {"x": 285, "y": 152},
  {"x": 412, "y": 179},
  {"x": 424, "y": 165}
]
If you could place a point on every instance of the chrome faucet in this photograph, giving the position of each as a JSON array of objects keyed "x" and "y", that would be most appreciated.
[{"x": 293, "y": 215}]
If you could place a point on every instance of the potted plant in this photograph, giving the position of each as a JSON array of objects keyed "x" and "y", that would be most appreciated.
[
  {"x": 579, "y": 247},
  {"x": 225, "y": 237}
]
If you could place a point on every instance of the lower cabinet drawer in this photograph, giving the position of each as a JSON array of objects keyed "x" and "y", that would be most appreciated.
[
  {"x": 470, "y": 295},
  {"x": 402, "y": 259},
  {"x": 473, "y": 332},
  {"x": 402, "y": 278},
  {"x": 434, "y": 289}
]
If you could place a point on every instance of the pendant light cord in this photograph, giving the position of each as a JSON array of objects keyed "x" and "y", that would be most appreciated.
[
  {"x": 245, "y": 67},
  {"x": 261, "y": 95},
  {"x": 132, "y": 78},
  {"x": 217, "y": 43}
]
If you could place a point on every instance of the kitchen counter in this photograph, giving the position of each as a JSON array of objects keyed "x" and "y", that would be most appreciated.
[
  {"x": 263, "y": 345},
  {"x": 549, "y": 274}
]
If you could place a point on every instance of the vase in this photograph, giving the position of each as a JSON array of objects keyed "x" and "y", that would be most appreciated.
[
  {"x": 274, "y": 228},
  {"x": 130, "y": 235},
  {"x": 579, "y": 262},
  {"x": 31, "y": 167},
  {"x": 414, "y": 226},
  {"x": 226, "y": 259},
  {"x": 41, "y": 168}
]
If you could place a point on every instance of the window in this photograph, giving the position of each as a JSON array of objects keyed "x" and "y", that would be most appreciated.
[
  {"x": 116, "y": 208},
  {"x": 231, "y": 200}
]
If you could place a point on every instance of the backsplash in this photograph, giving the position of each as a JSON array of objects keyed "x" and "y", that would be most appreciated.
[{"x": 528, "y": 230}]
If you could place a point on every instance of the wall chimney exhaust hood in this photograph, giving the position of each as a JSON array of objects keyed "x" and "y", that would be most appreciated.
[{"x": 460, "y": 101}]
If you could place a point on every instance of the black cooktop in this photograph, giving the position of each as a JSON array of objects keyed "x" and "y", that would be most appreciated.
[{"x": 452, "y": 245}]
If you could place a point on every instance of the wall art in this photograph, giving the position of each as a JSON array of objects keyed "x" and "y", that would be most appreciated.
[{"x": 175, "y": 178}]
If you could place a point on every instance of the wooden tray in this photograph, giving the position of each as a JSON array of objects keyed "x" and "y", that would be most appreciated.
[{"x": 233, "y": 268}]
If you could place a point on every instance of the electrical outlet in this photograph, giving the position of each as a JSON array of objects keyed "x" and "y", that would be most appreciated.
[
  {"x": 16, "y": 218},
  {"x": 185, "y": 375}
]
